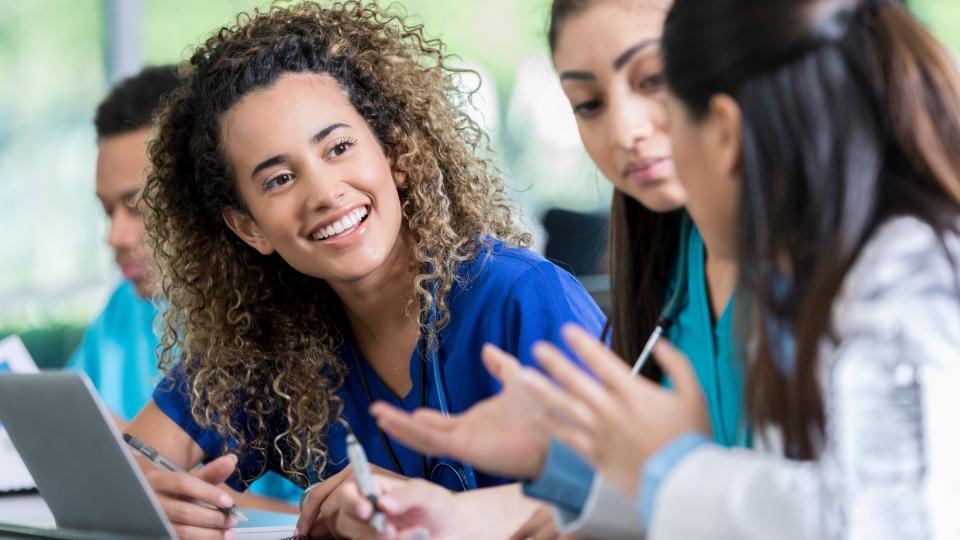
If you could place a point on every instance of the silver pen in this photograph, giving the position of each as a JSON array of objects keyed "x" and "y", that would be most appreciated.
[
  {"x": 364, "y": 478},
  {"x": 647, "y": 349},
  {"x": 159, "y": 460}
]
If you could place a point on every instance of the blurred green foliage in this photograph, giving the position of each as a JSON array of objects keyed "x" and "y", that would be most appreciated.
[{"x": 494, "y": 33}]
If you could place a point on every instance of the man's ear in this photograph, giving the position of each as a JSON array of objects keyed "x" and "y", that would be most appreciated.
[
  {"x": 243, "y": 225},
  {"x": 727, "y": 134}
]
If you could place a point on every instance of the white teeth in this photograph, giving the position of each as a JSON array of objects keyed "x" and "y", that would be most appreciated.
[{"x": 347, "y": 222}]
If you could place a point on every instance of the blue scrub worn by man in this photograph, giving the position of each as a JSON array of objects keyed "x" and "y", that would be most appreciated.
[{"x": 118, "y": 349}]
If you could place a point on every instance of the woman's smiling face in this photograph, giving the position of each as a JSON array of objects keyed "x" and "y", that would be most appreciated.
[{"x": 316, "y": 183}]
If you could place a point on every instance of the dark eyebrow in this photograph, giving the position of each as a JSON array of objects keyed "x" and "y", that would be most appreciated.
[
  {"x": 577, "y": 75},
  {"x": 626, "y": 55},
  {"x": 269, "y": 162},
  {"x": 322, "y": 134},
  {"x": 282, "y": 158},
  {"x": 125, "y": 197},
  {"x": 618, "y": 63}
]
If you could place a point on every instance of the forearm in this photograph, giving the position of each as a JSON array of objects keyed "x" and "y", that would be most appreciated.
[
  {"x": 155, "y": 428},
  {"x": 494, "y": 512},
  {"x": 118, "y": 421}
]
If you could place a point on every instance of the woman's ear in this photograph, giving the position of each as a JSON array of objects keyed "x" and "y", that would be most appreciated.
[
  {"x": 726, "y": 134},
  {"x": 243, "y": 225},
  {"x": 399, "y": 178}
]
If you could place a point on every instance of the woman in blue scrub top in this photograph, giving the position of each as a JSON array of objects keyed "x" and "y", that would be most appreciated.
[{"x": 328, "y": 237}]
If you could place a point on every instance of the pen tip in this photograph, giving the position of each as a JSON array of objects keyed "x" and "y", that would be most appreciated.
[{"x": 127, "y": 437}]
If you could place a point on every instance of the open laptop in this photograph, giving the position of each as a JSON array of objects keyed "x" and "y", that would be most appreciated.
[
  {"x": 73, "y": 451},
  {"x": 86, "y": 475}
]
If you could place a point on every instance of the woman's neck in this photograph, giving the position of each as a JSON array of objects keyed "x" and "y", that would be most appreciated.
[
  {"x": 721, "y": 264},
  {"x": 376, "y": 310}
]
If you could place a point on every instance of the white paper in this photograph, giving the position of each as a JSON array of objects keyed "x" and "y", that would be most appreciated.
[{"x": 13, "y": 473}]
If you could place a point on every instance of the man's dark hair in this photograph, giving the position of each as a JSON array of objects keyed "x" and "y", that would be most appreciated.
[{"x": 131, "y": 103}]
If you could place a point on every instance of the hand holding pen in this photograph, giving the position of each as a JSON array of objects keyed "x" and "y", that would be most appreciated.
[
  {"x": 364, "y": 478},
  {"x": 191, "y": 500},
  {"x": 360, "y": 514},
  {"x": 412, "y": 509}
]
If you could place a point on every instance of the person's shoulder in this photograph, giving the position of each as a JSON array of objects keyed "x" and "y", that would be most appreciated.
[
  {"x": 904, "y": 252},
  {"x": 906, "y": 278},
  {"x": 499, "y": 261},
  {"x": 126, "y": 312}
]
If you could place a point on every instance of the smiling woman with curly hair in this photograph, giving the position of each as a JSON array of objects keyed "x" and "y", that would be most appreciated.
[{"x": 330, "y": 231}]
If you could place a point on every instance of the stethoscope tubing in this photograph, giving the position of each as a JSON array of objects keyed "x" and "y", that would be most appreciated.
[{"x": 432, "y": 343}]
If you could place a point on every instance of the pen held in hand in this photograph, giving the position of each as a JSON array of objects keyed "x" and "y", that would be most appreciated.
[
  {"x": 364, "y": 479},
  {"x": 151, "y": 455},
  {"x": 647, "y": 349}
]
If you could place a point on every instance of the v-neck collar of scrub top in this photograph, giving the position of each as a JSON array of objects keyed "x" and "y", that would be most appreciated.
[{"x": 711, "y": 350}]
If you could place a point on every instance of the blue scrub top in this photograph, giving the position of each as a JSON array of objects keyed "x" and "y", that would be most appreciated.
[
  {"x": 510, "y": 297},
  {"x": 711, "y": 350},
  {"x": 118, "y": 354}
]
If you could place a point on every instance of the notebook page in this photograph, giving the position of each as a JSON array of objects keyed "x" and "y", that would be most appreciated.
[{"x": 13, "y": 473}]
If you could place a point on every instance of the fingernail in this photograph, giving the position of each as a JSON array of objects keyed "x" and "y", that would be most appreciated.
[
  {"x": 229, "y": 535},
  {"x": 225, "y": 501},
  {"x": 388, "y": 503},
  {"x": 233, "y": 522},
  {"x": 421, "y": 534}
]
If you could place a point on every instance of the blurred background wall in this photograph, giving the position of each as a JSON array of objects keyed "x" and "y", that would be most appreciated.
[{"x": 58, "y": 57}]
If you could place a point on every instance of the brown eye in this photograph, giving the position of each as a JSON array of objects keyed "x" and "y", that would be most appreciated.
[
  {"x": 341, "y": 147},
  {"x": 277, "y": 181},
  {"x": 652, "y": 84},
  {"x": 587, "y": 109},
  {"x": 132, "y": 202}
]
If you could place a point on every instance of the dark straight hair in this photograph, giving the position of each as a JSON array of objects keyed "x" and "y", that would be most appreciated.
[
  {"x": 642, "y": 247},
  {"x": 851, "y": 115}
]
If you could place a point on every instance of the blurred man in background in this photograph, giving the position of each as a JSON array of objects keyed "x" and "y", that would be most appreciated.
[{"x": 117, "y": 351}]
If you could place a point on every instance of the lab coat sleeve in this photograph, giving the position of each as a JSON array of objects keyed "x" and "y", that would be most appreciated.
[
  {"x": 606, "y": 514},
  {"x": 743, "y": 493}
]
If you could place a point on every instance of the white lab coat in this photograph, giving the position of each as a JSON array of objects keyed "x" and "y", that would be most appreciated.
[{"x": 901, "y": 282}]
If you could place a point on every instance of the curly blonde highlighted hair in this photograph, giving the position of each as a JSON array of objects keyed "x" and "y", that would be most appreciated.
[{"x": 254, "y": 335}]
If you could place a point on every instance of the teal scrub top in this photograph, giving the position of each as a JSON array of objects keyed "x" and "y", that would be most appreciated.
[
  {"x": 118, "y": 354},
  {"x": 711, "y": 350}
]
